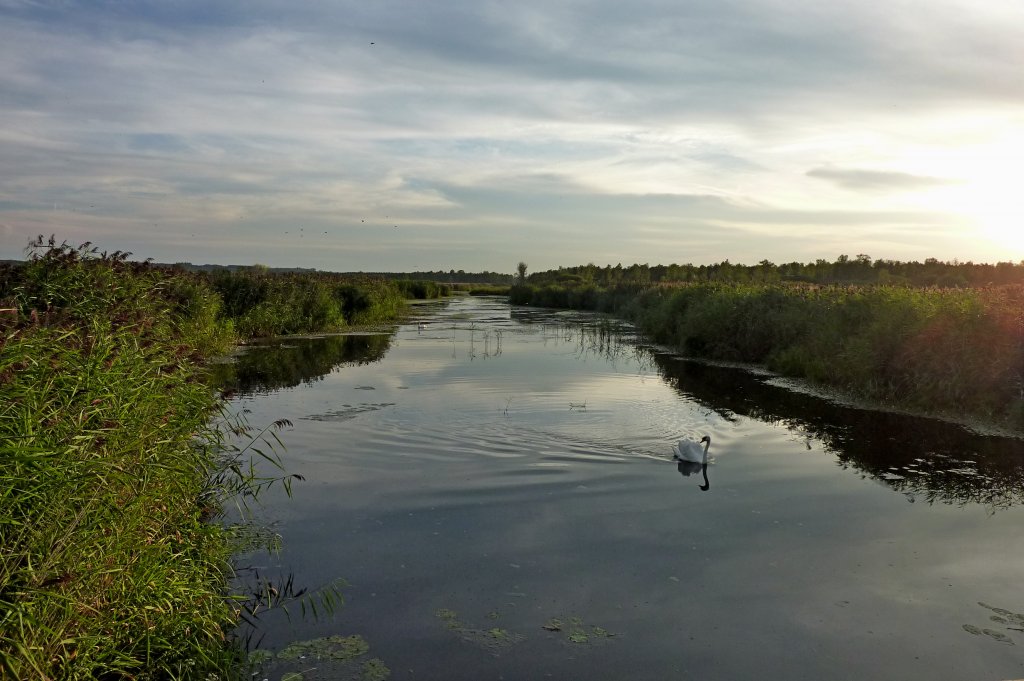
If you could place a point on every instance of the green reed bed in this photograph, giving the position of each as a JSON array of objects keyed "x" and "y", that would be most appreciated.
[
  {"x": 113, "y": 464},
  {"x": 944, "y": 351},
  {"x": 109, "y": 568},
  {"x": 423, "y": 289},
  {"x": 262, "y": 303}
]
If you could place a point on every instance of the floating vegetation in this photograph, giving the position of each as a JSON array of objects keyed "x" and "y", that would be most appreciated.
[
  {"x": 375, "y": 670},
  {"x": 494, "y": 640},
  {"x": 327, "y": 648},
  {"x": 334, "y": 658},
  {"x": 576, "y": 630},
  {"x": 1012, "y": 621},
  {"x": 348, "y": 411}
]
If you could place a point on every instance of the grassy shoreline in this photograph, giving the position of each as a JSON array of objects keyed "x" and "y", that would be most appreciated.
[
  {"x": 927, "y": 350},
  {"x": 113, "y": 462}
]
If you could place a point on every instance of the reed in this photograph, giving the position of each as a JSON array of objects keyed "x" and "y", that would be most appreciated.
[
  {"x": 422, "y": 289},
  {"x": 937, "y": 350},
  {"x": 116, "y": 457},
  {"x": 110, "y": 469},
  {"x": 261, "y": 303}
]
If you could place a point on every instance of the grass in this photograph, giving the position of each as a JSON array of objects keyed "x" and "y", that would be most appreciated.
[
  {"x": 937, "y": 350},
  {"x": 115, "y": 458},
  {"x": 109, "y": 569},
  {"x": 260, "y": 303}
]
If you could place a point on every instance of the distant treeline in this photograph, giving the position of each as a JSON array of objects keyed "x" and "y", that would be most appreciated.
[
  {"x": 844, "y": 270},
  {"x": 441, "y": 276},
  {"x": 449, "y": 277}
]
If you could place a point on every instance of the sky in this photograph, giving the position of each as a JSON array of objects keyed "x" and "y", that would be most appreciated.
[{"x": 399, "y": 135}]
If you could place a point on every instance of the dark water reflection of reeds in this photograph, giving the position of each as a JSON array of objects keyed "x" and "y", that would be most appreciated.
[
  {"x": 288, "y": 362},
  {"x": 925, "y": 459}
]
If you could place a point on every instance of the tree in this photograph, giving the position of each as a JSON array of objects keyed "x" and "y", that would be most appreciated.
[{"x": 521, "y": 273}]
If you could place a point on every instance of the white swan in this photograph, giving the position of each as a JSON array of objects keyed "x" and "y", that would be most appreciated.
[{"x": 688, "y": 450}]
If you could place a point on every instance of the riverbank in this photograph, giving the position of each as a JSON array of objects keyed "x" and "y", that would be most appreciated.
[
  {"x": 112, "y": 462},
  {"x": 925, "y": 350}
]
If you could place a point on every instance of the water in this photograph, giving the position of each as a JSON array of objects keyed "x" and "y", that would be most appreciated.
[{"x": 498, "y": 490}]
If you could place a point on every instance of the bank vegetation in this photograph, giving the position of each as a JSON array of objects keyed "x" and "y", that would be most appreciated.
[
  {"x": 950, "y": 351},
  {"x": 115, "y": 460}
]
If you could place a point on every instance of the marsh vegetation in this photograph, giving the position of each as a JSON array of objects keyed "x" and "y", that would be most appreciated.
[
  {"x": 954, "y": 351},
  {"x": 116, "y": 457}
]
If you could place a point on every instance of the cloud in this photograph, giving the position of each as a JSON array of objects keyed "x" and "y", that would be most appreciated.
[
  {"x": 875, "y": 180},
  {"x": 534, "y": 123}
]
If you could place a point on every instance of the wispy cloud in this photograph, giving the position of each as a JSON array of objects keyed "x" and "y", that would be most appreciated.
[
  {"x": 875, "y": 180},
  {"x": 462, "y": 133}
]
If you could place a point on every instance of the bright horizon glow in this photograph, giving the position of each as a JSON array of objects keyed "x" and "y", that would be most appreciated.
[
  {"x": 403, "y": 136},
  {"x": 991, "y": 201}
]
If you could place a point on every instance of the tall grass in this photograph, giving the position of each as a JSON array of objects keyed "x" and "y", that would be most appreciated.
[
  {"x": 950, "y": 351},
  {"x": 422, "y": 289},
  {"x": 108, "y": 569},
  {"x": 261, "y": 303},
  {"x": 113, "y": 457}
]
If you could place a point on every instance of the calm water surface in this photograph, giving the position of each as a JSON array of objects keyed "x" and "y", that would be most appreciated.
[{"x": 469, "y": 505}]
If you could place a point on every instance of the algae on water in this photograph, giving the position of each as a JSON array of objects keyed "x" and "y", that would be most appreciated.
[
  {"x": 330, "y": 658},
  {"x": 576, "y": 630},
  {"x": 494, "y": 640},
  {"x": 375, "y": 670},
  {"x": 327, "y": 648}
]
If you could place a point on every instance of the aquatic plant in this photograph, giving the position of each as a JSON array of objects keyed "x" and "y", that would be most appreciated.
[
  {"x": 494, "y": 640},
  {"x": 336, "y": 656}
]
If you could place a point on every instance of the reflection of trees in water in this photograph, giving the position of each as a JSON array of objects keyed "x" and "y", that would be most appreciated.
[
  {"x": 925, "y": 459},
  {"x": 287, "y": 362}
]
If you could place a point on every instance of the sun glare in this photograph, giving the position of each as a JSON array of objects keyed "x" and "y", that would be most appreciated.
[{"x": 984, "y": 192}]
